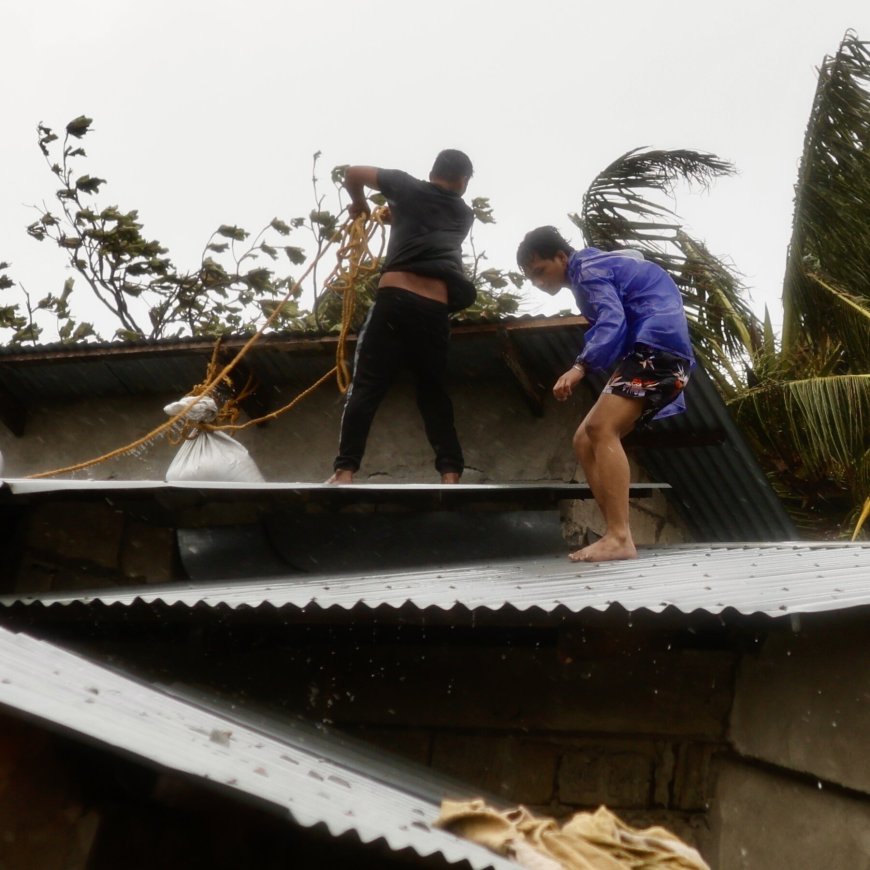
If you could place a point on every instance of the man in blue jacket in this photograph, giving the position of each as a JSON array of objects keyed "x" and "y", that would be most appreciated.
[{"x": 638, "y": 332}]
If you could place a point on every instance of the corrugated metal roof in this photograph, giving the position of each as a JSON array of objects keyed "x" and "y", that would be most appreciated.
[
  {"x": 715, "y": 479},
  {"x": 44, "y": 681},
  {"x": 770, "y": 579}
]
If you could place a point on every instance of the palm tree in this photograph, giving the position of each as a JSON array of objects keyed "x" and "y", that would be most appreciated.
[{"x": 817, "y": 385}]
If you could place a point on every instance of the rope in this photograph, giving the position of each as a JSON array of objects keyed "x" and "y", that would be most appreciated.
[
  {"x": 362, "y": 265},
  {"x": 356, "y": 252}
]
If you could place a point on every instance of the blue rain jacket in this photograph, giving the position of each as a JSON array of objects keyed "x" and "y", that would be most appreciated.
[{"x": 628, "y": 300}]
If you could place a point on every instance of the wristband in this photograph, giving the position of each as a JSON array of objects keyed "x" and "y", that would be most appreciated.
[{"x": 580, "y": 368}]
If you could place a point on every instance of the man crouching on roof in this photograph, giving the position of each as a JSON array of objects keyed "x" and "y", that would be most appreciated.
[
  {"x": 421, "y": 282},
  {"x": 638, "y": 325}
]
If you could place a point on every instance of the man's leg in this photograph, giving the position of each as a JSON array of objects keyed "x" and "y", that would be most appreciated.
[
  {"x": 427, "y": 352},
  {"x": 378, "y": 355},
  {"x": 598, "y": 445}
]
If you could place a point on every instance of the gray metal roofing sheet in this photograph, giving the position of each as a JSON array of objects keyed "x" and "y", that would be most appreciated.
[
  {"x": 548, "y": 492},
  {"x": 771, "y": 579},
  {"x": 59, "y": 687}
]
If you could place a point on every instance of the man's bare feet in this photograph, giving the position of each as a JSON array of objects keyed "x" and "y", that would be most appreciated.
[
  {"x": 450, "y": 477},
  {"x": 606, "y": 549},
  {"x": 342, "y": 475}
]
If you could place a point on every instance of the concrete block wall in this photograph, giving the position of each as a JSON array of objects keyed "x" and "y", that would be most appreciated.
[
  {"x": 68, "y": 545},
  {"x": 502, "y": 440},
  {"x": 798, "y": 794}
]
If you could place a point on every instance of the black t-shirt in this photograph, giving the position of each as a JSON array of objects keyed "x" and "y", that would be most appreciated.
[{"x": 428, "y": 227}]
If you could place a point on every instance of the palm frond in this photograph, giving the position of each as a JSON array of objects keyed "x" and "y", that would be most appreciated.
[
  {"x": 814, "y": 435},
  {"x": 619, "y": 213},
  {"x": 827, "y": 283}
]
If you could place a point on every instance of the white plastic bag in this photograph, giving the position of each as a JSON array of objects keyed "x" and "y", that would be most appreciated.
[{"x": 209, "y": 455}]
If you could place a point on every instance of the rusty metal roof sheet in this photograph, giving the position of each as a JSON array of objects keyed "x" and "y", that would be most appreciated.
[
  {"x": 41, "y": 680},
  {"x": 771, "y": 579}
]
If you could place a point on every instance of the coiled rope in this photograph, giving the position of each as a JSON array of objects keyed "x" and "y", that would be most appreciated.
[{"x": 354, "y": 262}]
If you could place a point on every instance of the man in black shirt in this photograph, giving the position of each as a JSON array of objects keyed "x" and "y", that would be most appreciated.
[{"x": 422, "y": 281}]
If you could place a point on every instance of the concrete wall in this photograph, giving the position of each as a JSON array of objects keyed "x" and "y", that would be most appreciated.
[
  {"x": 803, "y": 702},
  {"x": 502, "y": 440},
  {"x": 798, "y": 795},
  {"x": 762, "y": 820}
]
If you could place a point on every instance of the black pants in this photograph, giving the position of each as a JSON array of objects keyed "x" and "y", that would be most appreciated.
[{"x": 402, "y": 330}]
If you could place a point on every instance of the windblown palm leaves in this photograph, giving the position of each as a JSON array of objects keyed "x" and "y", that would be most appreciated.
[
  {"x": 827, "y": 284},
  {"x": 619, "y": 213},
  {"x": 811, "y": 436},
  {"x": 810, "y": 416}
]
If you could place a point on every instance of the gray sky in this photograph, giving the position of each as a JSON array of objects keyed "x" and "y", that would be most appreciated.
[{"x": 209, "y": 112}]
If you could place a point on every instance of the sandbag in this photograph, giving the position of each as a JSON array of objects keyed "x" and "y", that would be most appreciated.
[
  {"x": 205, "y": 455},
  {"x": 587, "y": 841}
]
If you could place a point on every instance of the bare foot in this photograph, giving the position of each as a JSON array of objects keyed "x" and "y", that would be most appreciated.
[
  {"x": 342, "y": 475},
  {"x": 606, "y": 549},
  {"x": 450, "y": 477}
]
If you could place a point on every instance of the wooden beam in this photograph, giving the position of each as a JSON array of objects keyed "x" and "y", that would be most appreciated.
[{"x": 532, "y": 391}]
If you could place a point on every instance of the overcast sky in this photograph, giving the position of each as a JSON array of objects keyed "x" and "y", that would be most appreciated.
[{"x": 209, "y": 112}]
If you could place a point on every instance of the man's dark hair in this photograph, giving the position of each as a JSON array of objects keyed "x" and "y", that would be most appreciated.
[
  {"x": 543, "y": 242},
  {"x": 452, "y": 165}
]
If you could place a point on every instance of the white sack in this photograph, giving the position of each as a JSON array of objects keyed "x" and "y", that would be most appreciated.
[
  {"x": 200, "y": 408},
  {"x": 209, "y": 455}
]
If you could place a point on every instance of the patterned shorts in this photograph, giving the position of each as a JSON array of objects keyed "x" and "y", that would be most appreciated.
[{"x": 653, "y": 375}]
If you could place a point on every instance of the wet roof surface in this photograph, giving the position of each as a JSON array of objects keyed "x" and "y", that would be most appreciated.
[{"x": 774, "y": 579}]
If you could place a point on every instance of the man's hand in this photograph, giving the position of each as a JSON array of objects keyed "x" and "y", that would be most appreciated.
[
  {"x": 566, "y": 383},
  {"x": 355, "y": 209},
  {"x": 356, "y": 179}
]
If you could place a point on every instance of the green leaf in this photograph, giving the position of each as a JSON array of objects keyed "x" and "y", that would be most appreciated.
[
  {"x": 78, "y": 126},
  {"x": 83, "y": 330},
  {"x": 46, "y": 137},
  {"x": 482, "y": 210},
  {"x": 258, "y": 279},
  {"x": 86, "y": 184},
  {"x": 280, "y": 227},
  {"x": 295, "y": 255},
  {"x": 237, "y": 234},
  {"x": 37, "y": 231}
]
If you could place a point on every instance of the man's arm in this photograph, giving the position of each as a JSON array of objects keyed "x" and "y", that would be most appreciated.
[{"x": 356, "y": 179}]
